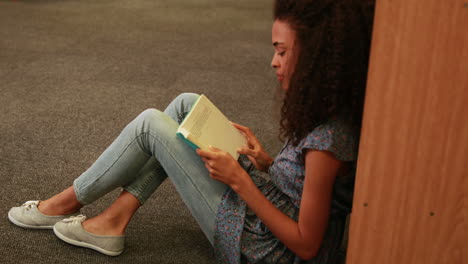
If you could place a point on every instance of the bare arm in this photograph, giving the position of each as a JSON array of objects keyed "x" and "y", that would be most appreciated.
[{"x": 305, "y": 236}]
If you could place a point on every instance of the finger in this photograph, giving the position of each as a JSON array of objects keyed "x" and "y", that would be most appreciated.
[
  {"x": 214, "y": 176},
  {"x": 215, "y": 149},
  {"x": 253, "y": 160},
  {"x": 240, "y": 127},
  {"x": 206, "y": 153},
  {"x": 236, "y": 125},
  {"x": 211, "y": 169},
  {"x": 251, "y": 141},
  {"x": 211, "y": 164},
  {"x": 244, "y": 150},
  {"x": 248, "y": 152}
]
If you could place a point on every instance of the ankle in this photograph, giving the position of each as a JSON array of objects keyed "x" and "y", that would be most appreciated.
[
  {"x": 49, "y": 207},
  {"x": 103, "y": 226},
  {"x": 45, "y": 208},
  {"x": 115, "y": 223}
]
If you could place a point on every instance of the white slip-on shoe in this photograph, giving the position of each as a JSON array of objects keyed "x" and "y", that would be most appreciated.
[
  {"x": 71, "y": 231},
  {"x": 28, "y": 216}
]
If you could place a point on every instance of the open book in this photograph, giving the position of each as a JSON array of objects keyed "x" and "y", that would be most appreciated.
[{"x": 205, "y": 125}]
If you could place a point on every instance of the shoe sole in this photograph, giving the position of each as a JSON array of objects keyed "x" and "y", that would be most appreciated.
[
  {"x": 86, "y": 245},
  {"x": 16, "y": 222}
]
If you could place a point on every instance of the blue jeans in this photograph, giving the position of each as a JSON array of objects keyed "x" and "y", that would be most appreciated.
[{"x": 148, "y": 151}]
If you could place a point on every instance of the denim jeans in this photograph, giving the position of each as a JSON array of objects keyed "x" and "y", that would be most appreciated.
[{"x": 147, "y": 152}]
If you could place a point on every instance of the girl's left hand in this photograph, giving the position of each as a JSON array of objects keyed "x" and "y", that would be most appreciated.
[{"x": 223, "y": 167}]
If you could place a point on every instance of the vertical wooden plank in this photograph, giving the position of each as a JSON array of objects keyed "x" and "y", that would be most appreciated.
[{"x": 411, "y": 195}]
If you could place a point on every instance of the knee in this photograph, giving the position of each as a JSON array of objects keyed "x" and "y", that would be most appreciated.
[
  {"x": 149, "y": 115},
  {"x": 181, "y": 105},
  {"x": 187, "y": 98},
  {"x": 151, "y": 120}
]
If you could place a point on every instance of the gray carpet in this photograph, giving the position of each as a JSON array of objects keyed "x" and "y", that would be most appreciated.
[{"x": 73, "y": 73}]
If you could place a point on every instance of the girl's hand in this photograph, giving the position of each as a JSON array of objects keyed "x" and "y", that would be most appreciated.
[
  {"x": 224, "y": 168},
  {"x": 254, "y": 150}
]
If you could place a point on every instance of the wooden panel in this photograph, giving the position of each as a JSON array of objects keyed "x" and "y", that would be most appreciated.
[{"x": 411, "y": 203}]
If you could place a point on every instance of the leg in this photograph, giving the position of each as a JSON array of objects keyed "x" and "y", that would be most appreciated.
[
  {"x": 141, "y": 184},
  {"x": 114, "y": 220},
  {"x": 61, "y": 204},
  {"x": 128, "y": 161},
  {"x": 185, "y": 168},
  {"x": 153, "y": 133},
  {"x": 153, "y": 174},
  {"x": 146, "y": 181}
]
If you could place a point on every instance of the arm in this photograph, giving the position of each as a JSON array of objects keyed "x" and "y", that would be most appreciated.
[{"x": 305, "y": 236}]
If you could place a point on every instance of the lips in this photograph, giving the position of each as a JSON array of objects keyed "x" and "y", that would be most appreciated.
[{"x": 279, "y": 77}]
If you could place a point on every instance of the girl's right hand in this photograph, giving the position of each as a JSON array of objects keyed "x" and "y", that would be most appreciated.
[{"x": 254, "y": 150}]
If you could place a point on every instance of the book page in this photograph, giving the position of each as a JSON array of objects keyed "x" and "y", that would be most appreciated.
[
  {"x": 207, "y": 125},
  {"x": 200, "y": 119}
]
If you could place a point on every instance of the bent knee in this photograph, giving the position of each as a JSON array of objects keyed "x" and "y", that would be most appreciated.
[
  {"x": 187, "y": 98},
  {"x": 153, "y": 120},
  {"x": 149, "y": 113},
  {"x": 150, "y": 116}
]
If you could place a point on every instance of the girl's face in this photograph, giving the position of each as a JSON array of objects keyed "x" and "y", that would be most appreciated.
[{"x": 283, "y": 38}]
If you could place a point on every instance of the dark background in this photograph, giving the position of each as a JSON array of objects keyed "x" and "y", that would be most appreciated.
[{"x": 73, "y": 73}]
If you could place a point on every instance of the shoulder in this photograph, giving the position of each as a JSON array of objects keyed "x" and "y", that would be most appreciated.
[{"x": 334, "y": 136}]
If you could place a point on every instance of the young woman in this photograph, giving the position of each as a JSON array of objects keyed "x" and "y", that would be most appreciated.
[{"x": 321, "y": 50}]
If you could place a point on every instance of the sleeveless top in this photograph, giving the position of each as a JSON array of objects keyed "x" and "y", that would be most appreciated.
[{"x": 241, "y": 237}]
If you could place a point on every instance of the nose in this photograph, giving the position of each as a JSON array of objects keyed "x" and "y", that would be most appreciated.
[{"x": 274, "y": 62}]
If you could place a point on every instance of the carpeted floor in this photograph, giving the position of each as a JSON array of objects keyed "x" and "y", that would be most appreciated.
[{"x": 74, "y": 72}]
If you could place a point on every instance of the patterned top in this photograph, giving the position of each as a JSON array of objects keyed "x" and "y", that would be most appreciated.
[{"x": 241, "y": 237}]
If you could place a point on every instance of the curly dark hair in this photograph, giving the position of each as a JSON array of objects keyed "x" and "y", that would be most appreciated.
[{"x": 333, "y": 39}]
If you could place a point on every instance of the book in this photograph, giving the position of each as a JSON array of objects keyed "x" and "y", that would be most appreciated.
[{"x": 206, "y": 125}]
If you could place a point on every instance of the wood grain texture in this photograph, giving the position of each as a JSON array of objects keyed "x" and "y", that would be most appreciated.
[{"x": 411, "y": 203}]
